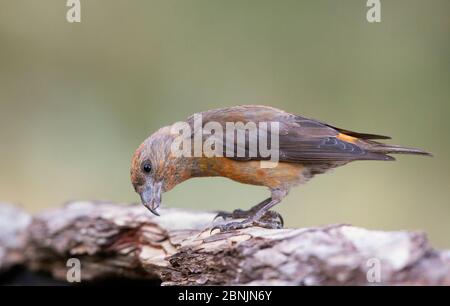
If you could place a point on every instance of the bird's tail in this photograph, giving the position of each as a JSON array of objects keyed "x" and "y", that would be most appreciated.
[{"x": 395, "y": 149}]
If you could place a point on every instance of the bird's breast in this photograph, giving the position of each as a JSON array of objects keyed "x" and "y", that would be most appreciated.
[{"x": 251, "y": 172}]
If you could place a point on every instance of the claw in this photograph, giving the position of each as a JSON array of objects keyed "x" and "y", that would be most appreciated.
[
  {"x": 214, "y": 228},
  {"x": 281, "y": 220},
  {"x": 236, "y": 214},
  {"x": 273, "y": 215},
  {"x": 222, "y": 214},
  {"x": 230, "y": 226}
]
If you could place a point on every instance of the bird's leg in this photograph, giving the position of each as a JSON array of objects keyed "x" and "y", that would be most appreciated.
[{"x": 258, "y": 215}]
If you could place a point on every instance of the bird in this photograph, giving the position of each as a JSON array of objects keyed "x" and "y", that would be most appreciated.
[{"x": 306, "y": 147}]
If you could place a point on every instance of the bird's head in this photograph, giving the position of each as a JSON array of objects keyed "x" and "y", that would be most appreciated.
[{"x": 153, "y": 169}]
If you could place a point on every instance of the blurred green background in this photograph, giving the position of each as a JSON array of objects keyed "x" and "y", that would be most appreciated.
[{"x": 77, "y": 99}]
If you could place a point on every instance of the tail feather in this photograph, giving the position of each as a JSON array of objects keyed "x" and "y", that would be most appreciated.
[{"x": 394, "y": 149}]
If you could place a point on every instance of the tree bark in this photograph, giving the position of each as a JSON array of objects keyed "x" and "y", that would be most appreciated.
[
  {"x": 13, "y": 227},
  {"x": 119, "y": 240}
]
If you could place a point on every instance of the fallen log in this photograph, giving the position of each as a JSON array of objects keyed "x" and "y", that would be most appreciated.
[{"x": 120, "y": 240}]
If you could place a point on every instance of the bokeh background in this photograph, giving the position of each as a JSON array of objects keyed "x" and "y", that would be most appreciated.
[{"x": 77, "y": 99}]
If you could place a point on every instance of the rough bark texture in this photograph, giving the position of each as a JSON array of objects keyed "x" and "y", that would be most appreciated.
[{"x": 114, "y": 240}]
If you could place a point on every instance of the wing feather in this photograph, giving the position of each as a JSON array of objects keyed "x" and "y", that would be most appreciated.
[{"x": 301, "y": 140}]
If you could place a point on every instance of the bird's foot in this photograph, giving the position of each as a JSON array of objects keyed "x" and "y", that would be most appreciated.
[
  {"x": 269, "y": 216},
  {"x": 271, "y": 220},
  {"x": 236, "y": 214}
]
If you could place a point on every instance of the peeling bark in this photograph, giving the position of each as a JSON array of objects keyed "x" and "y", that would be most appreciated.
[{"x": 119, "y": 240}]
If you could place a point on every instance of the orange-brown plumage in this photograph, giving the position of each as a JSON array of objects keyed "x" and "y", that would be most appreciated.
[
  {"x": 306, "y": 147},
  {"x": 250, "y": 172}
]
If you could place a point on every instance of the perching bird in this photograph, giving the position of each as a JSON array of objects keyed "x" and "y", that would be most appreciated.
[{"x": 306, "y": 147}]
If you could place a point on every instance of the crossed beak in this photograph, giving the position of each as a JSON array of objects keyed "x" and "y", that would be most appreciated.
[{"x": 151, "y": 197}]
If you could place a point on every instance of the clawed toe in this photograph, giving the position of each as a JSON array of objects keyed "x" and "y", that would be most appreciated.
[
  {"x": 226, "y": 227},
  {"x": 273, "y": 217},
  {"x": 236, "y": 214},
  {"x": 272, "y": 223},
  {"x": 223, "y": 214}
]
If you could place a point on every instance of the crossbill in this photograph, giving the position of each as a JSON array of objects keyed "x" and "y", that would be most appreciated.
[{"x": 306, "y": 147}]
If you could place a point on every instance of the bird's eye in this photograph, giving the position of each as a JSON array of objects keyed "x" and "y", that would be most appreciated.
[{"x": 147, "y": 167}]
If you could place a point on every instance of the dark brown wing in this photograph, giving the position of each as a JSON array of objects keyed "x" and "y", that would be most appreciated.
[
  {"x": 308, "y": 140},
  {"x": 301, "y": 140}
]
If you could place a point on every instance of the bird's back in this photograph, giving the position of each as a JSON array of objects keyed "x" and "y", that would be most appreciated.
[{"x": 304, "y": 140}]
